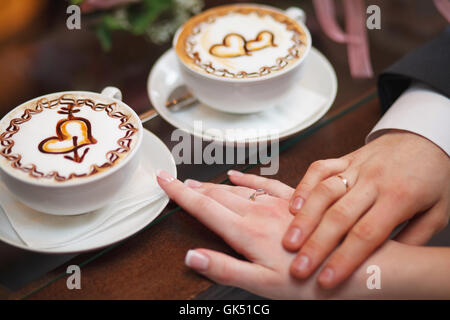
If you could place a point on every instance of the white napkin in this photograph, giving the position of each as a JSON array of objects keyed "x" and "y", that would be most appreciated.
[{"x": 43, "y": 231}]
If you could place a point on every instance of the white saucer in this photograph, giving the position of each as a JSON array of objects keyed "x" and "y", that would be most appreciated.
[
  {"x": 154, "y": 155},
  {"x": 302, "y": 107}
]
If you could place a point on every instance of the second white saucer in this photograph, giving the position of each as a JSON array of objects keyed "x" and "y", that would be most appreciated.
[{"x": 303, "y": 106}]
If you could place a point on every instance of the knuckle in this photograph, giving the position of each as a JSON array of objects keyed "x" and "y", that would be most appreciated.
[
  {"x": 324, "y": 188},
  {"x": 338, "y": 215},
  {"x": 225, "y": 275},
  {"x": 364, "y": 232},
  {"x": 349, "y": 158},
  {"x": 374, "y": 172},
  {"x": 269, "y": 184},
  {"x": 272, "y": 183},
  {"x": 312, "y": 245},
  {"x": 264, "y": 183},
  {"x": 400, "y": 190},
  {"x": 303, "y": 186},
  {"x": 209, "y": 192},
  {"x": 318, "y": 166},
  {"x": 339, "y": 258},
  {"x": 204, "y": 204},
  {"x": 254, "y": 180},
  {"x": 303, "y": 220},
  {"x": 206, "y": 185}
]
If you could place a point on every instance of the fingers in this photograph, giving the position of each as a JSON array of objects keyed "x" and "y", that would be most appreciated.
[
  {"x": 319, "y": 200},
  {"x": 420, "y": 229},
  {"x": 273, "y": 187},
  {"x": 370, "y": 231},
  {"x": 234, "y": 198},
  {"x": 212, "y": 214},
  {"x": 242, "y": 192},
  {"x": 229, "y": 271},
  {"x": 318, "y": 171},
  {"x": 336, "y": 222}
]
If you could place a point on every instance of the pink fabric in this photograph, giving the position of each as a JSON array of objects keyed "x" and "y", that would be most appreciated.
[
  {"x": 355, "y": 36},
  {"x": 357, "y": 50},
  {"x": 443, "y": 7}
]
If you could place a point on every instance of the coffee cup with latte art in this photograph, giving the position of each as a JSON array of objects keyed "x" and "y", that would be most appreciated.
[
  {"x": 70, "y": 152},
  {"x": 242, "y": 58}
]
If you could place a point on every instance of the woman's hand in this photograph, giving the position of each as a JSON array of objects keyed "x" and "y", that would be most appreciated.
[
  {"x": 397, "y": 177},
  {"x": 252, "y": 228}
]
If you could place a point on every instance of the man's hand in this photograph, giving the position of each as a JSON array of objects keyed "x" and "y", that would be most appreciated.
[{"x": 397, "y": 177}]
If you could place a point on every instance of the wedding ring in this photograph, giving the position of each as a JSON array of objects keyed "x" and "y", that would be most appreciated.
[
  {"x": 344, "y": 180},
  {"x": 258, "y": 192}
]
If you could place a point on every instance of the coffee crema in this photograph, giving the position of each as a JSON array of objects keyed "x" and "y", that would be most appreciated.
[
  {"x": 240, "y": 41},
  {"x": 65, "y": 137}
]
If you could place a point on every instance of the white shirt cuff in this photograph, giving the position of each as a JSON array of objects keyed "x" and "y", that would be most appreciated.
[{"x": 420, "y": 110}]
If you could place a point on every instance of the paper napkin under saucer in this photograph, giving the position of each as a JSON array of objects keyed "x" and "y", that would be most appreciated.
[{"x": 40, "y": 230}]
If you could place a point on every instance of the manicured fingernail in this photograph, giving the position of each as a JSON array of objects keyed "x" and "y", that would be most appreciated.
[
  {"x": 297, "y": 204},
  {"x": 235, "y": 173},
  {"x": 293, "y": 236},
  {"x": 301, "y": 263},
  {"x": 164, "y": 175},
  {"x": 326, "y": 276},
  {"x": 196, "y": 260},
  {"x": 192, "y": 183}
]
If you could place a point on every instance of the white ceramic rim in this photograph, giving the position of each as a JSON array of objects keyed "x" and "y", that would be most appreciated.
[
  {"x": 162, "y": 203},
  {"x": 81, "y": 181},
  {"x": 257, "y": 79},
  {"x": 284, "y": 135}
]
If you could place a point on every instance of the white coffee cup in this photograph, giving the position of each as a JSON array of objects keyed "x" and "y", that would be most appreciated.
[
  {"x": 246, "y": 95},
  {"x": 80, "y": 195}
]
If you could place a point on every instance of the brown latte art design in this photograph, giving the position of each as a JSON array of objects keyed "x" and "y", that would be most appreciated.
[
  {"x": 235, "y": 45},
  {"x": 195, "y": 51},
  {"x": 52, "y": 145}
]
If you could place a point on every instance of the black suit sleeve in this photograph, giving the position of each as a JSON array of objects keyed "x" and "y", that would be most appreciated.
[{"x": 429, "y": 64}]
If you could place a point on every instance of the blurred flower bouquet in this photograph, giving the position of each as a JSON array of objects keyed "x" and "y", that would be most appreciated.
[{"x": 156, "y": 19}]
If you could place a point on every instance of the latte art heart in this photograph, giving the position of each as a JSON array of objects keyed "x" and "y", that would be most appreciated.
[
  {"x": 233, "y": 46},
  {"x": 263, "y": 40},
  {"x": 72, "y": 134}
]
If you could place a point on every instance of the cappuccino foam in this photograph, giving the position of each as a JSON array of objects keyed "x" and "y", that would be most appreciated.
[
  {"x": 67, "y": 137},
  {"x": 240, "y": 41}
]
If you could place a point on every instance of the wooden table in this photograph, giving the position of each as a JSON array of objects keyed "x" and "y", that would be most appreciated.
[{"x": 149, "y": 265}]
